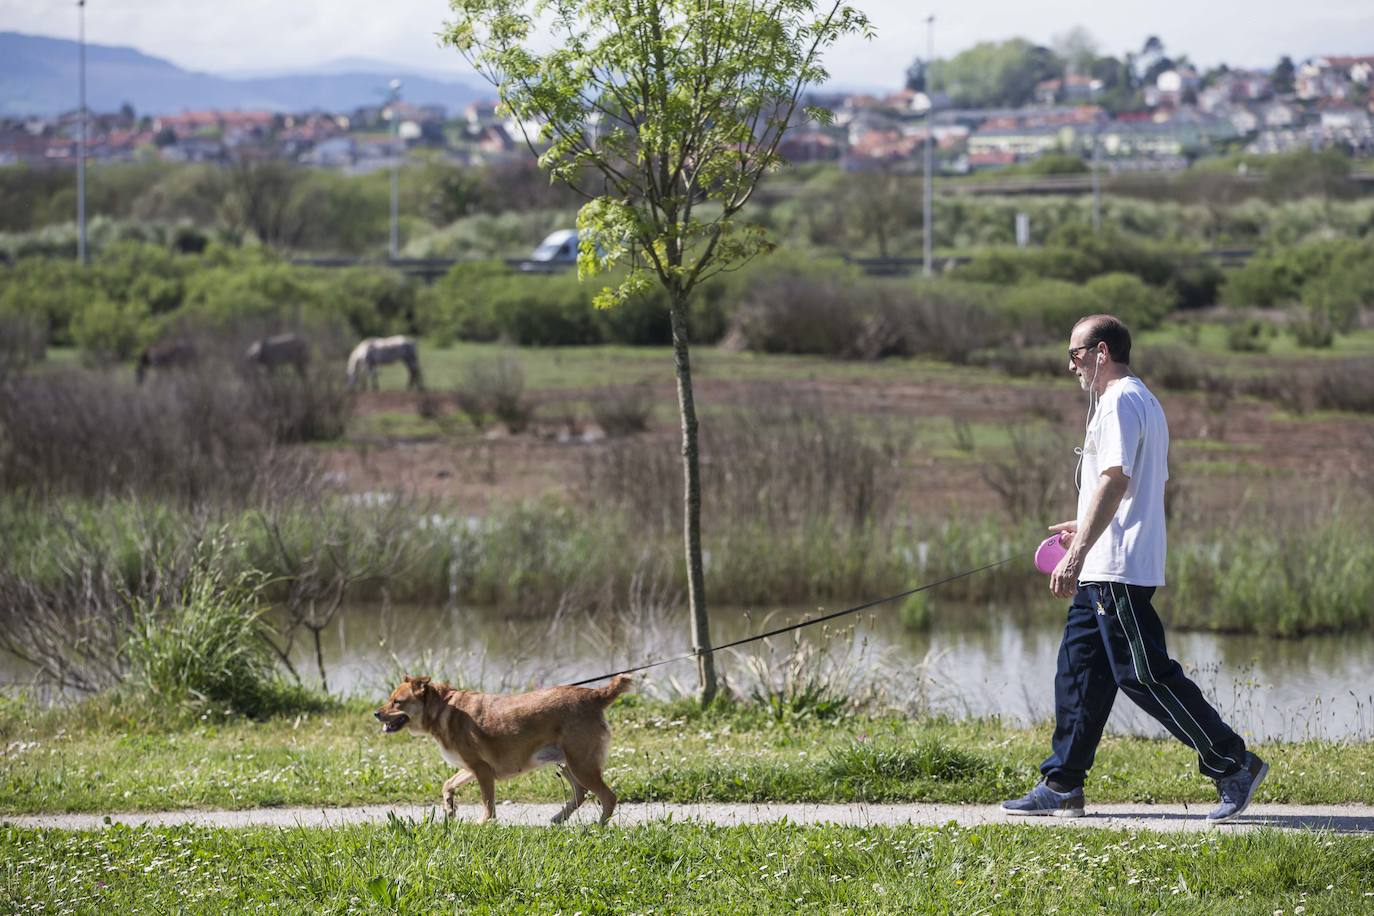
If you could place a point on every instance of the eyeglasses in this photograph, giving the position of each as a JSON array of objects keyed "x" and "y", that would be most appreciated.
[{"x": 1073, "y": 351}]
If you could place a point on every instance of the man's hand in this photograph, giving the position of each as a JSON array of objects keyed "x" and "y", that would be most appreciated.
[
  {"x": 1064, "y": 579},
  {"x": 1111, "y": 488}
]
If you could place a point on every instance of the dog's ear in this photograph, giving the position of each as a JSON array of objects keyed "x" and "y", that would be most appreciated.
[{"x": 418, "y": 685}]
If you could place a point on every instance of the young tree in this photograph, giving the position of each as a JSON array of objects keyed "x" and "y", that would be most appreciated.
[{"x": 664, "y": 115}]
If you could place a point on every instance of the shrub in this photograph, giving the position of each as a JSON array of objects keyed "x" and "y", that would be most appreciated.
[
  {"x": 751, "y": 473},
  {"x": 1175, "y": 368},
  {"x": 1129, "y": 298},
  {"x": 1030, "y": 475},
  {"x": 624, "y": 410},
  {"x": 50, "y": 291},
  {"x": 375, "y": 301},
  {"x": 1280, "y": 275},
  {"x": 109, "y": 331},
  {"x": 1043, "y": 310},
  {"x": 486, "y": 301},
  {"x": 1076, "y": 254},
  {"x": 944, "y": 319},
  {"x": 1249, "y": 336},
  {"x": 208, "y": 648},
  {"x": 1311, "y": 327},
  {"x": 494, "y": 388},
  {"x": 184, "y": 436},
  {"x": 786, "y": 312},
  {"x": 23, "y": 340}
]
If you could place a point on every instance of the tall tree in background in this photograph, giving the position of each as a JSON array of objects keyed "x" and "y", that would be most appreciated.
[
  {"x": 1077, "y": 48},
  {"x": 1281, "y": 80},
  {"x": 995, "y": 73},
  {"x": 664, "y": 115}
]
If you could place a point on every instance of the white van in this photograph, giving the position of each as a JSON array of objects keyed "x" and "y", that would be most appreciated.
[{"x": 557, "y": 248}]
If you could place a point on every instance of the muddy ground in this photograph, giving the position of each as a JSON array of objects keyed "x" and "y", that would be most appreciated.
[{"x": 1224, "y": 451}]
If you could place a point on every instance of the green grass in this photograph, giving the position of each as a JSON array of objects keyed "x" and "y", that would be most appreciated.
[
  {"x": 408, "y": 867},
  {"x": 562, "y": 368},
  {"x": 98, "y": 759}
]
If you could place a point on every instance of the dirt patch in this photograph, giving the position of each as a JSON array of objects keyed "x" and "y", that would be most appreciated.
[{"x": 1238, "y": 449}]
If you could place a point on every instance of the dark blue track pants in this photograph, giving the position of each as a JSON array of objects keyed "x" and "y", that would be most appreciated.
[{"x": 1114, "y": 639}]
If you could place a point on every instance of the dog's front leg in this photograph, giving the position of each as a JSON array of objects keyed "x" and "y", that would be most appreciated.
[
  {"x": 486, "y": 781},
  {"x": 461, "y": 778}
]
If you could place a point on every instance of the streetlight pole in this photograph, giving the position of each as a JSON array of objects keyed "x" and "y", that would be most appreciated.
[
  {"x": 394, "y": 97},
  {"x": 928, "y": 214},
  {"x": 81, "y": 136}
]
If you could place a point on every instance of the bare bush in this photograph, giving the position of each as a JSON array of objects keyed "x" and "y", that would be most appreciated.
[
  {"x": 494, "y": 388},
  {"x": 1346, "y": 385},
  {"x": 801, "y": 314},
  {"x": 624, "y": 410},
  {"x": 193, "y": 436},
  {"x": 312, "y": 406},
  {"x": 1029, "y": 475},
  {"x": 938, "y": 322},
  {"x": 1176, "y": 368},
  {"x": 779, "y": 460},
  {"x": 862, "y": 319},
  {"x": 68, "y": 601},
  {"x": 23, "y": 341},
  {"x": 321, "y": 555}
]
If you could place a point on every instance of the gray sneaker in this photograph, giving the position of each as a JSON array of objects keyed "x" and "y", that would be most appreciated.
[
  {"x": 1043, "y": 801},
  {"x": 1238, "y": 789}
]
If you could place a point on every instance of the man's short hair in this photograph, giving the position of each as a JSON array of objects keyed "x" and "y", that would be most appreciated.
[{"x": 1109, "y": 330}]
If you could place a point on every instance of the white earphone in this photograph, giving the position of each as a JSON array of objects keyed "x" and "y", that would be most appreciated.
[{"x": 1088, "y": 422}]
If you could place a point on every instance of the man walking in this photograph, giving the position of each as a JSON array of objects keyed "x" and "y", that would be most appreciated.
[{"x": 1115, "y": 561}]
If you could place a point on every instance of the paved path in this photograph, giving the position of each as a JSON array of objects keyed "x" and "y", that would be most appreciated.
[{"x": 1164, "y": 818}]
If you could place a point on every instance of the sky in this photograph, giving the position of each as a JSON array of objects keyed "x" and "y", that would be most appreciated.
[{"x": 229, "y": 36}]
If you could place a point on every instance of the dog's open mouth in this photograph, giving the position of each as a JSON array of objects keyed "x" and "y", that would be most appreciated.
[{"x": 395, "y": 723}]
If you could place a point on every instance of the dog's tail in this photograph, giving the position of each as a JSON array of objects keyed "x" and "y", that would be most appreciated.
[{"x": 618, "y": 685}]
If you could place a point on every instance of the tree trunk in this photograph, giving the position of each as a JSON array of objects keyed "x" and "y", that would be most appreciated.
[{"x": 696, "y": 579}]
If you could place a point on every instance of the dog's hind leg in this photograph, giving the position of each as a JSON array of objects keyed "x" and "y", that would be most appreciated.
[
  {"x": 461, "y": 778},
  {"x": 579, "y": 794},
  {"x": 588, "y": 773}
]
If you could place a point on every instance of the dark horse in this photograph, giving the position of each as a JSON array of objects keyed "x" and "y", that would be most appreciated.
[
  {"x": 279, "y": 350},
  {"x": 169, "y": 354}
]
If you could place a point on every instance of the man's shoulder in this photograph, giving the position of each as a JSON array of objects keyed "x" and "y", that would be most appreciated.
[{"x": 1131, "y": 390}]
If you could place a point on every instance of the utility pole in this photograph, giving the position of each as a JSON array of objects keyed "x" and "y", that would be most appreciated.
[
  {"x": 928, "y": 214},
  {"x": 393, "y": 97},
  {"x": 81, "y": 136}
]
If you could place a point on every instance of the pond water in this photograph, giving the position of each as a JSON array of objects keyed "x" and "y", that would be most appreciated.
[{"x": 971, "y": 662}]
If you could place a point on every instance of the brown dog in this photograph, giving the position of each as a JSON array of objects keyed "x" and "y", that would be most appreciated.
[{"x": 491, "y": 737}]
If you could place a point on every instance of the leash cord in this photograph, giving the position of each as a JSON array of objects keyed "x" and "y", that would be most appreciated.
[{"x": 810, "y": 621}]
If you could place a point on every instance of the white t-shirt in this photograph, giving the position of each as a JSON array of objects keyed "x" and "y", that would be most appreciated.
[{"x": 1128, "y": 431}]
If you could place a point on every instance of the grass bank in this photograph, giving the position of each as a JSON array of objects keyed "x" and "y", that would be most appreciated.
[
  {"x": 432, "y": 867},
  {"x": 98, "y": 758}
]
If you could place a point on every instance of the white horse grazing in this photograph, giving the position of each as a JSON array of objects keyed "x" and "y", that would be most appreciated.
[{"x": 377, "y": 351}]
